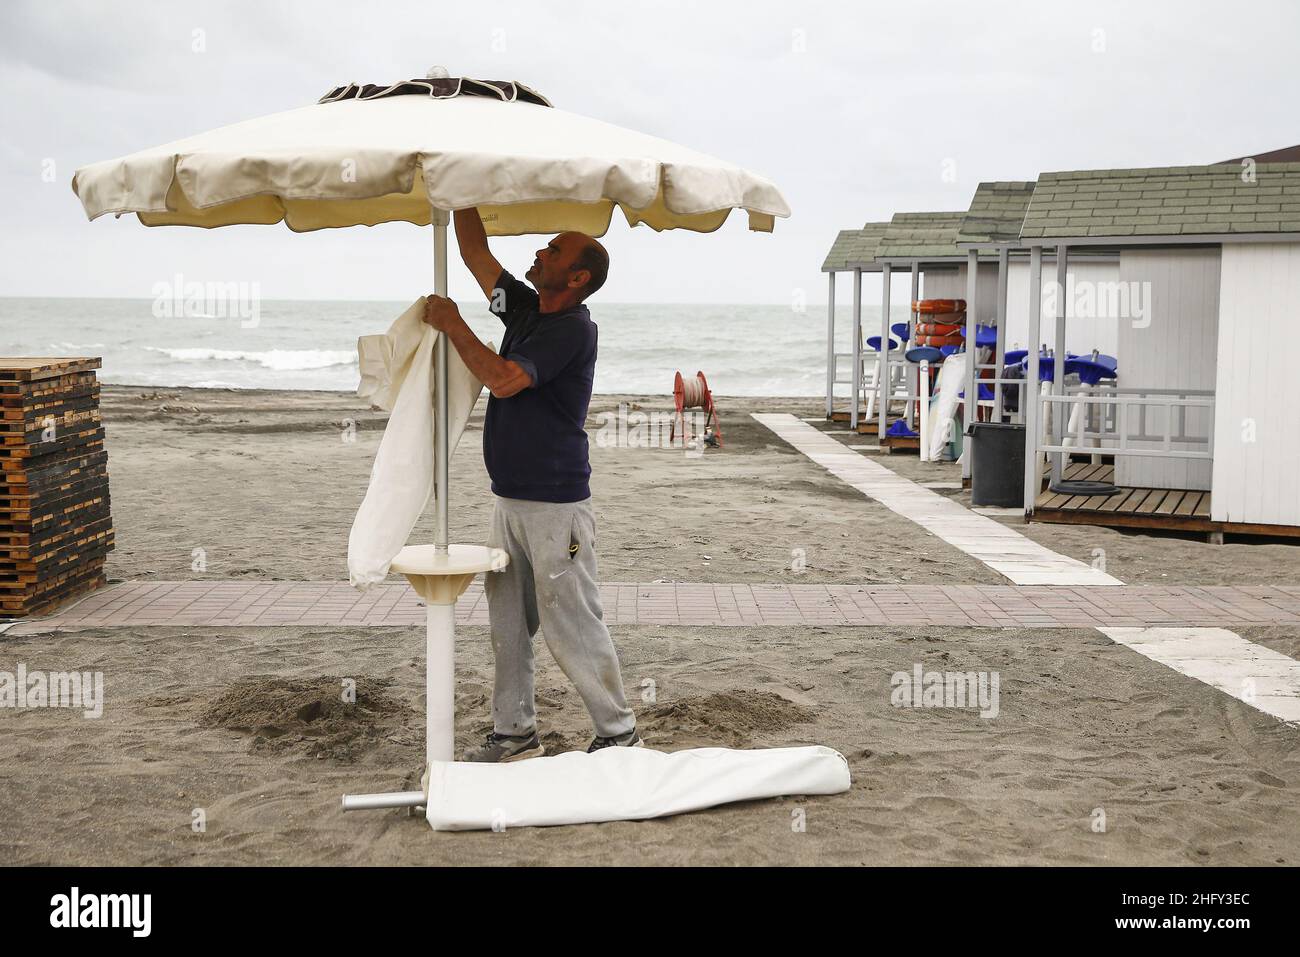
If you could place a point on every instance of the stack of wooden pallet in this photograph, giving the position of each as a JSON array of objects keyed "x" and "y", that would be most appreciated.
[{"x": 55, "y": 525}]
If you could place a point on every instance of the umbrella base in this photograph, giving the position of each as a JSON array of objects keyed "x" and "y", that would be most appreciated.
[{"x": 439, "y": 577}]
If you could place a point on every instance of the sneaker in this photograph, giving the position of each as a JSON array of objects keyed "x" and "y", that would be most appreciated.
[
  {"x": 500, "y": 748},
  {"x": 629, "y": 740}
]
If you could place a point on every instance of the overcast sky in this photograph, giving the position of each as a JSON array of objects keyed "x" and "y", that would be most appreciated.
[{"x": 855, "y": 110}]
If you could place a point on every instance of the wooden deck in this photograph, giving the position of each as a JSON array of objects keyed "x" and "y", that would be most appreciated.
[
  {"x": 871, "y": 426},
  {"x": 1156, "y": 508}
]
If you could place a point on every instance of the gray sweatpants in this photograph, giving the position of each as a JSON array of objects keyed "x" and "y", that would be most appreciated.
[{"x": 551, "y": 581}]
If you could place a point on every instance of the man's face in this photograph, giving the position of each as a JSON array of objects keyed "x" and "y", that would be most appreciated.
[{"x": 552, "y": 270}]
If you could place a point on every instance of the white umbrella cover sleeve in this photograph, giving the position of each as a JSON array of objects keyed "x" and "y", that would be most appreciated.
[
  {"x": 397, "y": 375},
  {"x": 949, "y": 383},
  {"x": 621, "y": 784}
]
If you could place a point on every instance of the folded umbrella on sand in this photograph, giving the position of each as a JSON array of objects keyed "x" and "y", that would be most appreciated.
[{"x": 412, "y": 152}]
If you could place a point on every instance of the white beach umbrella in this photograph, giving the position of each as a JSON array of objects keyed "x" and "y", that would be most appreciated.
[
  {"x": 413, "y": 152},
  {"x": 367, "y": 155}
]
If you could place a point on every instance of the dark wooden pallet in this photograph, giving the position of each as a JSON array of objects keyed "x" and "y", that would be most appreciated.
[
  {"x": 25, "y": 546},
  {"x": 24, "y": 471},
  {"x": 22, "y": 450},
  {"x": 71, "y": 516},
  {"x": 34, "y": 511},
  {"x": 49, "y": 600},
  {"x": 15, "y": 498},
  {"x": 37, "y": 368},
  {"x": 58, "y": 554},
  {"x": 12, "y": 392},
  {"x": 47, "y": 482},
  {"x": 19, "y": 394},
  {"x": 865, "y": 425},
  {"x": 56, "y": 526},
  {"x": 901, "y": 443},
  {"x": 21, "y": 579},
  {"x": 14, "y": 415},
  {"x": 12, "y": 597},
  {"x": 31, "y": 432}
]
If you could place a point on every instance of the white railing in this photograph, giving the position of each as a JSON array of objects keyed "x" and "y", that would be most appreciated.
[{"x": 1100, "y": 418}]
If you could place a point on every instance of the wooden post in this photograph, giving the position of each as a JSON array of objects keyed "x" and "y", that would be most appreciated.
[
  {"x": 882, "y": 385},
  {"x": 911, "y": 330},
  {"x": 857, "y": 349},
  {"x": 1058, "y": 367},
  {"x": 1029, "y": 391},
  {"x": 1000, "y": 354},
  {"x": 971, "y": 406},
  {"x": 830, "y": 343}
]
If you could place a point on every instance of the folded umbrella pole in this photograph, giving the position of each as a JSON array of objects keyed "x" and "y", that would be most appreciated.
[{"x": 439, "y": 574}]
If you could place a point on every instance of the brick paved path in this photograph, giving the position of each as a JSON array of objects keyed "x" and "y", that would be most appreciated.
[{"x": 1036, "y": 606}]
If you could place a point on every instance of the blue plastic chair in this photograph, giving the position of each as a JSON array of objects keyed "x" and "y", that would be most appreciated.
[
  {"x": 1088, "y": 371},
  {"x": 986, "y": 337},
  {"x": 923, "y": 353},
  {"x": 900, "y": 329},
  {"x": 1015, "y": 356},
  {"x": 874, "y": 343}
]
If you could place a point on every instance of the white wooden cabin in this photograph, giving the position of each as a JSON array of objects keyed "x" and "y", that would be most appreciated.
[{"x": 1204, "y": 424}]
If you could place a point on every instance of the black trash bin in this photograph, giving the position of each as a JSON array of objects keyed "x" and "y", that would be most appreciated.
[{"x": 997, "y": 466}]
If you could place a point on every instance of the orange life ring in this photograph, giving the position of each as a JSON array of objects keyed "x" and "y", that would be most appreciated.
[
  {"x": 932, "y": 306},
  {"x": 946, "y": 318},
  {"x": 937, "y": 329},
  {"x": 953, "y": 340}
]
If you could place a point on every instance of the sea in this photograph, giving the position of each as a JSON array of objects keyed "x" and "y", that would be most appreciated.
[{"x": 743, "y": 350}]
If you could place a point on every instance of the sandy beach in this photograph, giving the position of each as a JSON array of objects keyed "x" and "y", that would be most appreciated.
[{"x": 242, "y": 722}]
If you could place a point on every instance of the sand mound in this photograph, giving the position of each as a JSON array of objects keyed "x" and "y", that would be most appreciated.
[
  {"x": 307, "y": 715},
  {"x": 730, "y": 718}
]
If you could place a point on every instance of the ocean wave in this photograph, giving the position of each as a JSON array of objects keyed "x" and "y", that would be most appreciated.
[{"x": 279, "y": 360}]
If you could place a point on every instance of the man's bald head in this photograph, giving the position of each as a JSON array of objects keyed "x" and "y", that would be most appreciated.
[
  {"x": 572, "y": 263},
  {"x": 589, "y": 256}
]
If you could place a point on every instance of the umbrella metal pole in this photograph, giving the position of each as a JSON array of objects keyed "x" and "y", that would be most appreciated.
[
  {"x": 440, "y": 602},
  {"x": 440, "y": 630},
  {"x": 442, "y": 417}
]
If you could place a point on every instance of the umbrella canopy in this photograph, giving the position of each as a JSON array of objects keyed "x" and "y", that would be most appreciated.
[{"x": 365, "y": 155}]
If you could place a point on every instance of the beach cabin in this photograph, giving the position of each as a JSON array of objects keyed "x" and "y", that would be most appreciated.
[
  {"x": 937, "y": 250},
  {"x": 999, "y": 297},
  {"x": 854, "y": 251},
  {"x": 1200, "y": 431},
  {"x": 924, "y": 244},
  {"x": 921, "y": 243}
]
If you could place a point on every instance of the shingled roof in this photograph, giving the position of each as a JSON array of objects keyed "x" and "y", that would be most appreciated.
[
  {"x": 1168, "y": 201},
  {"x": 921, "y": 236},
  {"x": 996, "y": 213},
  {"x": 853, "y": 247}
]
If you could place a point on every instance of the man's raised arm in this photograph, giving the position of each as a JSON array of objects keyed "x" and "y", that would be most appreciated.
[{"x": 472, "y": 240}]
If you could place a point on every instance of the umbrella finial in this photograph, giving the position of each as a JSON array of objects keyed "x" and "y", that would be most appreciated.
[{"x": 437, "y": 73}]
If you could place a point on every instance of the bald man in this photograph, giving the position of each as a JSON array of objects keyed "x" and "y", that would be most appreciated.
[{"x": 535, "y": 448}]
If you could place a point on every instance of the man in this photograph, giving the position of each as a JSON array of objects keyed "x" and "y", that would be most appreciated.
[{"x": 535, "y": 448}]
